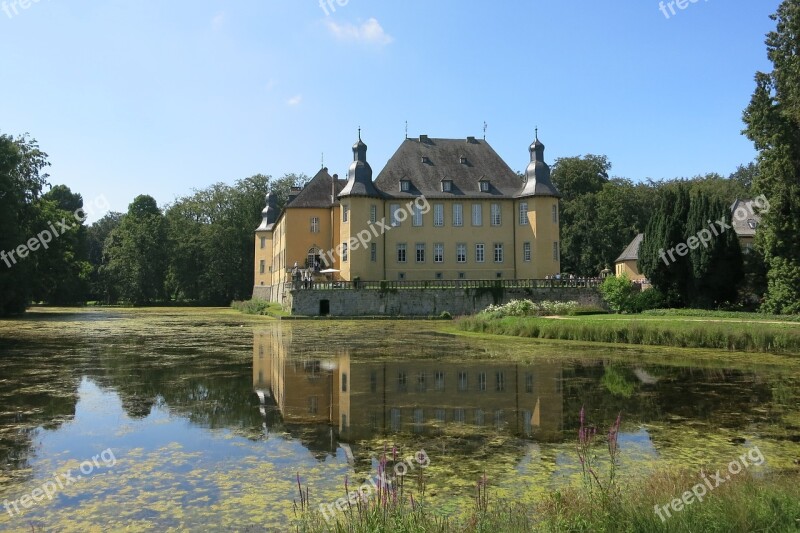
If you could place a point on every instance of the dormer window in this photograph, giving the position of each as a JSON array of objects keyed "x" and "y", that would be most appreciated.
[
  {"x": 447, "y": 185},
  {"x": 752, "y": 223},
  {"x": 405, "y": 185},
  {"x": 463, "y": 160},
  {"x": 484, "y": 185}
]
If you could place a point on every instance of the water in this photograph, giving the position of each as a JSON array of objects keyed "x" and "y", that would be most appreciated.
[{"x": 209, "y": 416}]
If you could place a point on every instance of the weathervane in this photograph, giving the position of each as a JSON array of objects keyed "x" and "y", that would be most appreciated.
[
  {"x": 484, "y": 129},
  {"x": 406, "y": 129}
]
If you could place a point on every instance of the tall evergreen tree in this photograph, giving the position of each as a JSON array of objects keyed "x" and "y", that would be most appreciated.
[{"x": 773, "y": 124}]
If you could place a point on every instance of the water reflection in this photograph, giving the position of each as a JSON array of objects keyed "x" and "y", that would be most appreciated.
[{"x": 361, "y": 399}]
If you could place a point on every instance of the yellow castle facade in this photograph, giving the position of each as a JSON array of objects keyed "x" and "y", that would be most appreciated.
[{"x": 441, "y": 209}]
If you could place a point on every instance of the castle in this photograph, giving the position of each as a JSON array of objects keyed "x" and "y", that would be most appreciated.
[{"x": 441, "y": 209}]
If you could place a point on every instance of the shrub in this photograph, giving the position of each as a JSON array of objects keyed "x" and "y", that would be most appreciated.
[
  {"x": 529, "y": 308},
  {"x": 446, "y": 315},
  {"x": 619, "y": 293}
]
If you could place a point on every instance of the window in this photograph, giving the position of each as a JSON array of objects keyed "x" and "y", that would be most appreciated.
[
  {"x": 344, "y": 252},
  {"x": 501, "y": 382},
  {"x": 405, "y": 185},
  {"x": 462, "y": 275},
  {"x": 373, "y": 381},
  {"x": 555, "y": 251},
  {"x": 345, "y": 212},
  {"x": 447, "y": 185},
  {"x": 401, "y": 253},
  {"x": 422, "y": 383},
  {"x": 438, "y": 381},
  {"x": 416, "y": 219},
  {"x": 529, "y": 382},
  {"x": 463, "y": 382},
  {"x": 440, "y": 415},
  {"x": 401, "y": 276},
  {"x": 498, "y": 252},
  {"x": 263, "y": 242},
  {"x": 555, "y": 213},
  {"x": 402, "y": 381},
  {"x": 394, "y": 209},
  {"x": 496, "y": 219},
  {"x": 439, "y": 275},
  {"x": 314, "y": 224},
  {"x": 262, "y": 266},
  {"x": 438, "y": 252},
  {"x": 499, "y": 419},
  {"x": 523, "y": 213},
  {"x": 373, "y": 213},
  {"x": 482, "y": 381},
  {"x": 477, "y": 215},
  {"x": 344, "y": 382},
  {"x": 751, "y": 223},
  {"x": 479, "y": 253},
  {"x": 419, "y": 420},
  {"x": 420, "y": 252},
  {"x": 526, "y": 251},
  {"x": 395, "y": 419},
  {"x": 438, "y": 215},
  {"x": 313, "y": 405},
  {"x": 484, "y": 186},
  {"x": 458, "y": 215},
  {"x": 458, "y": 415},
  {"x": 373, "y": 252},
  {"x": 479, "y": 417},
  {"x": 461, "y": 253}
]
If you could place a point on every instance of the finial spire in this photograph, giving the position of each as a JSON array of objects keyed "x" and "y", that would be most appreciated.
[
  {"x": 359, "y": 133},
  {"x": 323, "y": 159},
  {"x": 537, "y": 133},
  {"x": 484, "y": 129},
  {"x": 406, "y": 129}
]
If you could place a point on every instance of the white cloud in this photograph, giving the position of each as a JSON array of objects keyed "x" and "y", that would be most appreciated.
[
  {"x": 218, "y": 21},
  {"x": 370, "y": 32},
  {"x": 295, "y": 100}
]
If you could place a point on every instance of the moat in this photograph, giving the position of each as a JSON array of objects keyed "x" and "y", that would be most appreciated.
[{"x": 211, "y": 415}]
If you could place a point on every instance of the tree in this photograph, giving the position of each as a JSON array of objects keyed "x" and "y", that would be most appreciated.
[
  {"x": 61, "y": 272},
  {"x": 22, "y": 179},
  {"x": 664, "y": 232},
  {"x": 136, "y": 253},
  {"x": 773, "y": 124},
  {"x": 689, "y": 252},
  {"x": 101, "y": 287}
]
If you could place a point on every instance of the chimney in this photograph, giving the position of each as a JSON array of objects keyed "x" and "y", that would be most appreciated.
[
  {"x": 423, "y": 139},
  {"x": 471, "y": 140},
  {"x": 293, "y": 192}
]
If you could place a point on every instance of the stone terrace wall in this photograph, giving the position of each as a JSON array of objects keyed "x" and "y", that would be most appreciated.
[{"x": 426, "y": 302}]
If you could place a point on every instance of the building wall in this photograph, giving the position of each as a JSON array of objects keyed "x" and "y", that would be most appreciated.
[
  {"x": 425, "y": 302},
  {"x": 630, "y": 268},
  {"x": 546, "y": 234},
  {"x": 263, "y": 259}
]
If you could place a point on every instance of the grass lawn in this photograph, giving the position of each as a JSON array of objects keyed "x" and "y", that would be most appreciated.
[{"x": 748, "y": 332}]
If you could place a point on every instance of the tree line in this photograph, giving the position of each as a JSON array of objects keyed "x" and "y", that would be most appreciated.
[{"x": 198, "y": 249}]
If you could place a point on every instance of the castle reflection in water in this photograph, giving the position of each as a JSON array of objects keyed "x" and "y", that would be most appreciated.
[{"x": 360, "y": 397}]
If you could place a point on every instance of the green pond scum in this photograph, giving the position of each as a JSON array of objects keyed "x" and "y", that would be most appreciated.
[{"x": 214, "y": 416}]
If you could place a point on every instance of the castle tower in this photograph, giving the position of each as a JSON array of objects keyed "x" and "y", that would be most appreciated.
[
  {"x": 538, "y": 241},
  {"x": 361, "y": 207}
]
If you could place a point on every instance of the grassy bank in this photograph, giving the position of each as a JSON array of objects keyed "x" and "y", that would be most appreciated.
[
  {"x": 746, "y": 503},
  {"x": 746, "y": 334},
  {"x": 260, "y": 307}
]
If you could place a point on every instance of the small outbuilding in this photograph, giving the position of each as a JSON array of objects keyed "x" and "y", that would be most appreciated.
[{"x": 627, "y": 263}]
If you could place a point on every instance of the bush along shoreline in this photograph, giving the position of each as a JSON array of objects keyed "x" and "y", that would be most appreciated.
[{"x": 733, "y": 336}]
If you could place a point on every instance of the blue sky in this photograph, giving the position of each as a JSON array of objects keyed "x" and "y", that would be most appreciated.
[{"x": 132, "y": 97}]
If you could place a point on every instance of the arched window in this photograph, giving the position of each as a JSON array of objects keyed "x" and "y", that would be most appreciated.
[{"x": 314, "y": 258}]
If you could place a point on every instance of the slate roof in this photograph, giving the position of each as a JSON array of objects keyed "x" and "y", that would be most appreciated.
[
  {"x": 631, "y": 253},
  {"x": 317, "y": 192},
  {"x": 745, "y": 227},
  {"x": 425, "y": 162}
]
